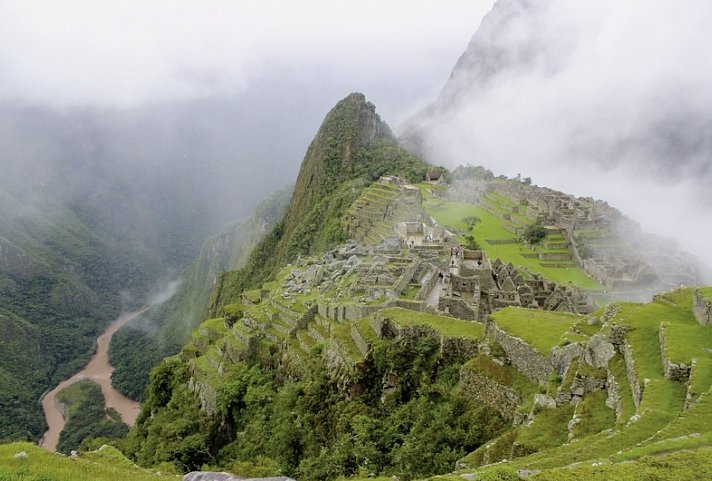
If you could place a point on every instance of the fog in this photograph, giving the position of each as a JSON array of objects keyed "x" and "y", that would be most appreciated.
[
  {"x": 163, "y": 121},
  {"x": 595, "y": 97}
]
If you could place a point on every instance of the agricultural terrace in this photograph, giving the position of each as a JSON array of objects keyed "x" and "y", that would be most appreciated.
[
  {"x": 543, "y": 330},
  {"x": 455, "y": 215}
]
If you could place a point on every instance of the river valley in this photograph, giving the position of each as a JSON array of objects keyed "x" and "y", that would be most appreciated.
[{"x": 98, "y": 370}]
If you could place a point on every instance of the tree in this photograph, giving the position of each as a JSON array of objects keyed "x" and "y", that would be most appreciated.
[
  {"x": 472, "y": 244},
  {"x": 534, "y": 233},
  {"x": 471, "y": 221}
]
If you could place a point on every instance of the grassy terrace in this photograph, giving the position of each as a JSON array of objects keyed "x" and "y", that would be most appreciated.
[
  {"x": 685, "y": 338},
  {"x": 548, "y": 429},
  {"x": 452, "y": 214},
  {"x": 682, "y": 466},
  {"x": 660, "y": 414},
  {"x": 366, "y": 331},
  {"x": 447, "y": 326},
  {"x": 706, "y": 293},
  {"x": 543, "y": 330},
  {"x": 507, "y": 375},
  {"x": 594, "y": 415},
  {"x": 342, "y": 334},
  {"x": 107, "y": 464}
]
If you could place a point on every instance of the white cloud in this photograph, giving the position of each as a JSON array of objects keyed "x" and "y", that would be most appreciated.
[
  {"x": 129, "y": 52},
  {"x": 607, "y": 98}
]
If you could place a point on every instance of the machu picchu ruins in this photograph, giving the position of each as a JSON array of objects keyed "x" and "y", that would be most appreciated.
[
  {"x": 595, "y": 236},
  {"x": 220, "y": 261}
]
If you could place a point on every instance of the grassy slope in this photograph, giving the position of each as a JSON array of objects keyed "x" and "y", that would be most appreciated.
[{"x": 106, "y": 464}]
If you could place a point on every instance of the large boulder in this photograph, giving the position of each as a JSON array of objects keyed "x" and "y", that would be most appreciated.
[{"x": 599, "y": 351}]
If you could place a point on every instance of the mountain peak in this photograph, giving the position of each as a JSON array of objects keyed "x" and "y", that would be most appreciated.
[{"x": 350, "y": 125}]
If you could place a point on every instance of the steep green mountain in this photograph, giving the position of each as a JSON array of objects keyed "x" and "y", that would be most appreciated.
[
  {"x": 61, "y": 282},
  {"x": 166, "y": 327},
  {"x": 352, "y": 148},
  {"x": 406, "y": 355},
  {"x": 381, "y": 359}
]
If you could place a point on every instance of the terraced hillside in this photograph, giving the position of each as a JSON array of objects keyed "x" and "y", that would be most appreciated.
[
  {"x": 628, "y": 381},
  {"x": 381, "y": 206},
  {"x": 650, "y": 397}
]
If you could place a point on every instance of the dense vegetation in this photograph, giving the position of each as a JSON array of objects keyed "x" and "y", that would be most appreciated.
[
  {"x": 309, "y": 428},
  {"x": 133, "y": 354},
  {"x": 534, "y": 233},
  {"x": 86, "y": 417}
]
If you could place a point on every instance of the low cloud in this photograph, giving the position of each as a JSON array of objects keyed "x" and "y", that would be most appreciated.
[{"x": 595, "y": 97}]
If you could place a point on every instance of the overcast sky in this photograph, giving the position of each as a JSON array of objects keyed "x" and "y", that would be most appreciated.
[
  {"x": 607, "y": 98},
  {"x": 129, "y": 52}
]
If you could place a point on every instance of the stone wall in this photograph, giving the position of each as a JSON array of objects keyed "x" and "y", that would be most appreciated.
[
  {"x": 524, "y": 357},
  {"x": 458, "y": 308},
  {"x": 349, "y": 312},
  {"x": 498, "y": 396},
  {"x": 428, "y": 284},
  {"x": 360, "y": 342},
  {"x": 635, "y": 386},
  {"x": 454, "y": 349},
  {"x": 690, "y": 396},
  {"x": 702, "y": 308},
  {"x": 674, "y": 372},
  {"x": 613, "y": 400},
  {"x": 617, "y": 337},
  {"x": 418, "y": 306},
  {"x": 405, "y": 279},
  {"x": 338, "y": 368},
  {"x": 562, "y": 356}
]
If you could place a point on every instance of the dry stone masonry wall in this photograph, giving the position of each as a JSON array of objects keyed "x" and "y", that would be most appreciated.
[{"x": 702, "y": 307}]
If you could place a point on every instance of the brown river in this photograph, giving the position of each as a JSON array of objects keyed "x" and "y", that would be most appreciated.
[{"x": 98, "y": 370}]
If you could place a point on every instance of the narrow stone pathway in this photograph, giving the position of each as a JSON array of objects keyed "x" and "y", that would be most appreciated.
[{"x": 434, "y": 296}]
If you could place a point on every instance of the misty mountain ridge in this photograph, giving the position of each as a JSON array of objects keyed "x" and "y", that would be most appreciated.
[{"x": 557, "y": 91}]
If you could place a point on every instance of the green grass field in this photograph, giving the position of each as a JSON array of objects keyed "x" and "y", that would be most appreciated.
[
  {"x": 452, "y": 215},
  {"x": 543, "y": 330},
  {"x": 447, "y": 326}
]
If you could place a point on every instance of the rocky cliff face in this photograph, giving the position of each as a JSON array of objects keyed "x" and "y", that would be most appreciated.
[{"x": 508, "y": 40}]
